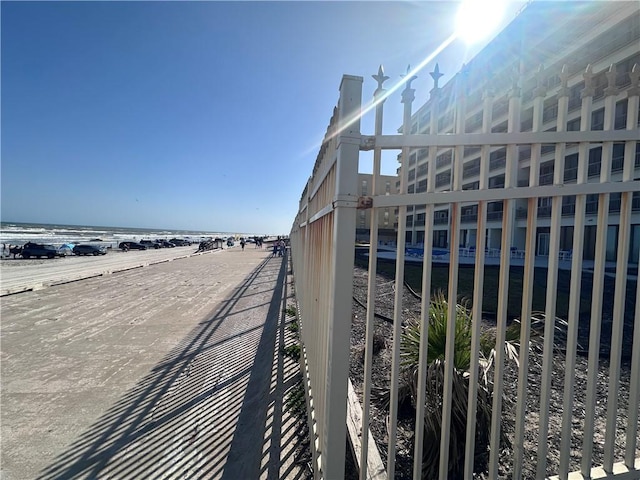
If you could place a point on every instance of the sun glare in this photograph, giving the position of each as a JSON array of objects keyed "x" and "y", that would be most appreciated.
[{"x": 476, "y": 19}]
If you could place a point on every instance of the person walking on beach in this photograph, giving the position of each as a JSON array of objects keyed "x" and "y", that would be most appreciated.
[{"x": 242, "y": 243}]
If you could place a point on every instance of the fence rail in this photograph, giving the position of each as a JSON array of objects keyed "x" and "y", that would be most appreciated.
[{"x": 323, "y": 241}]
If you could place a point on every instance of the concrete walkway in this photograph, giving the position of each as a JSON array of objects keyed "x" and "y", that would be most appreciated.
[{"x": 169, "y": 371}]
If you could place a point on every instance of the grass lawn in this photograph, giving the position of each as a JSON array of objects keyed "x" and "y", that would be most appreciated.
[{"x": 440, "y": 281}]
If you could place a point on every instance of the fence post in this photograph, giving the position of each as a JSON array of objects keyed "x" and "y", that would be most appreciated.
[{"x": 344, "y": 227}]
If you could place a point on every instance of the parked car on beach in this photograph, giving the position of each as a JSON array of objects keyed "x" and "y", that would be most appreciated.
[
  {"x": 38, "y": 250},
  {"x": 149, "y": 244},
  {"x": 180, "y": 242},
  {"x": 131, "y": 246},
  {"x": 88, "y": 249}
]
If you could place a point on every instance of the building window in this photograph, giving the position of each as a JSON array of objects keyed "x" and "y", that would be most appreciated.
[
  {"x": 571, "y": 167},
  {"x": 615, "y": 200},
  {"x": 471, "y": 168},
  {"x": 621, "y": 115},
  {"x": 440, "y": 238},
  {"x": 599, "y": 83},
  {"x": 474, "y": 122},
  {"x": 595, "y": 156},
  {"x": 525, "y": 153},
  {"x": 597, "y": 119},
  {"x": 443, "y": 178},
  {"x": 575, "y": 99},
  {"x": 617, "y": 160},
  {"x": 546, "y": 173},
  {"x": 501, "y": 128},
  {"x": 573, "y": 125},
  {"x": 569, "y": 205},
  {"x": 500, "y": 108},
  {"x": 468, "y": 151},
  {"x": 547, "y": 149},
  {"x": 445, "y": 121},
  {"x": 425, "y": 118},
  {"x": 623, "y": 68},
  {"x": 592, "y": 203},
  {"x": 544, "y": 207},
  {"x": 444, "y": 159},
  {"x": 497, "y": 181},
  {"x": 497, "y": 159},
  {"x": 553, "y": 80},
  {"x": 550, "y": 111},
  {"x": 469, "y": 214}
]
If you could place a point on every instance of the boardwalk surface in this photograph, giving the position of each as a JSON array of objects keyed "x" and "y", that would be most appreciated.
[{"x": 168, "y": 371}]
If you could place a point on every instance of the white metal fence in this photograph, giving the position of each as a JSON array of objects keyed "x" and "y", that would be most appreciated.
[{"x": 322, "y": 245}]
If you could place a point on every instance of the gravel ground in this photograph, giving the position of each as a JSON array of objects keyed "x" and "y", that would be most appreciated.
[{"x": 381, "y": 367}]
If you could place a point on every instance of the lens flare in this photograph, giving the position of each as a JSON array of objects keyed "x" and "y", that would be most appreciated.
[{"x": 476, "y": 19}]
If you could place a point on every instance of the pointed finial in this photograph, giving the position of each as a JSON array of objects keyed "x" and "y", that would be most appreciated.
[
  {"x": 436, "y": 75},
  {"x": 634, "y": 75},
  {"x": 611, "y": 75},
  {"x": 408, "y": 80},
  {"x": 408, "y": 92},
  {"x": 564, "y": 75},
  {"x": 540, "y": 90},
  {"x": 540, "y": 76},
  {"x": 588, "y": 90},
  {"x": 380, "y": 77},
  {"x": 564, "y": 82}
]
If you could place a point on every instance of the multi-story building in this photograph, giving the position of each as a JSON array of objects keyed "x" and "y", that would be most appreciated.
[
  {"x": 552, "y": 34},
  {"x": 386, "y": 217}
]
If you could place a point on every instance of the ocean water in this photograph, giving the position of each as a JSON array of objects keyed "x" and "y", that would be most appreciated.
[{"x": 14, "y": 233}]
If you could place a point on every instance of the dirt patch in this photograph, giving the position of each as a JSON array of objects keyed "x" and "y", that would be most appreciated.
[{"x": 383, "y": 338}]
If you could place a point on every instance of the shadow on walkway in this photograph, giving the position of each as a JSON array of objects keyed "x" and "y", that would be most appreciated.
[{"x": 213, "y": 408}]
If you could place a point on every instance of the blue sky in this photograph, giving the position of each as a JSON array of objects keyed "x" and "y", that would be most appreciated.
[{"x": 192, "y": 115}]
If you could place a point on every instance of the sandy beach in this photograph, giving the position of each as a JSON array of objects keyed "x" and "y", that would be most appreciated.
[
  {"x": 171, "y": 370},
  {"x": 18, "y": 275}
]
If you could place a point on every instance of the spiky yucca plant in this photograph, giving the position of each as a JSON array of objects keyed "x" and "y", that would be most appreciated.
[{"x": 437, "y": 336}]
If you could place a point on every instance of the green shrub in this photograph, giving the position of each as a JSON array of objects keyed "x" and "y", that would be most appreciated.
[
  {"x": 293, "y": 326},
  {"x": 295, "y": 400},
  {"x": 292, "y": 351}
]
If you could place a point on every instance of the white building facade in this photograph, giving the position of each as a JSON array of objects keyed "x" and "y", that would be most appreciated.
[{"x": 595, "y": 42}]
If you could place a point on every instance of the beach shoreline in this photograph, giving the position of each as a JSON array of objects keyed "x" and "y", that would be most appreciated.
[{"x": 19, "y": 275}]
